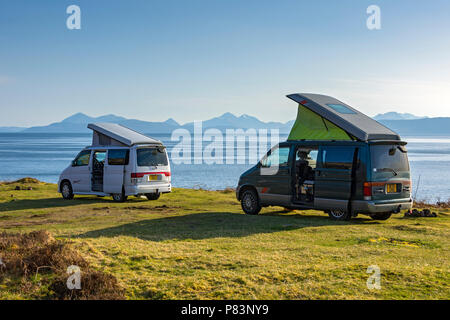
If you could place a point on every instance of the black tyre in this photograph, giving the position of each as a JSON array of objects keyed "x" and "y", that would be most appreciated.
[
  {"x": 119, "y": 197},
  {"x": 339, "y": 215},
  {"x": 66, "y": 190},
  {"x": 250, "y": 202},
  {"x": 153, "y": 196},
  {"x": 381, "y": 216}
]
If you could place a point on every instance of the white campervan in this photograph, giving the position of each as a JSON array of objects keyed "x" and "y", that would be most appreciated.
[{"x": 119, "y": 163}]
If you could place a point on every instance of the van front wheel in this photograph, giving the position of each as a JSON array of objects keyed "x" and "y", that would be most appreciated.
[
  {"x": 340, "y": 215},
  {"x": 66, "y": 191},
  {"x": 153, "y": 196},
  {"x": 250, "y": 203}
]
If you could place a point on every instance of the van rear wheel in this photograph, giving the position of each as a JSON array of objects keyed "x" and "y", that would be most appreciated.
[
  {"x": 119, "y": 197},
  {"x": 250, "y": 203},
  {"x": 339, "y": 215},
  {"x": 153, "y": 196},
  {"x": 381, "y": 216}
]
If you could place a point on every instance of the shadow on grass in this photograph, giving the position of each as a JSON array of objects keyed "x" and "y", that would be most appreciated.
[
  {"x": 205, "y": 225},
  {"x": 25, "y": 204}
]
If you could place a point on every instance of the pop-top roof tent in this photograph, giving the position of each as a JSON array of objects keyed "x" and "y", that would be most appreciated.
[
  {"x": 322, "y": 117},
  {"x": 112, "y": 134}
]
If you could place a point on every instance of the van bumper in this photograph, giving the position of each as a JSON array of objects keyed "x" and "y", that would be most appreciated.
[
  {"x": 382, "y": 206},
  {"x": 143, "y": 189}
]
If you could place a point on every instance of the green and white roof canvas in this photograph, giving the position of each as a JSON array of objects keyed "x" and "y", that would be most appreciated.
[{"x": 323, "y": 117}]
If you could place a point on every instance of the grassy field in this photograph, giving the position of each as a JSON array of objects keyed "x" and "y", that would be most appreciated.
[{"x": 194, "y": 244}]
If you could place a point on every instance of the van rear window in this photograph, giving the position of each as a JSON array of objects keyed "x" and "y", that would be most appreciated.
[
  {"x": 148, "y": 157},
  {"x": 389, "y": 157}
]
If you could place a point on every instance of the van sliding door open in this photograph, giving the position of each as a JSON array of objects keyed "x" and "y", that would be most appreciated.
[
  {"x": 98, "y": 170},
  {"x": 117, "y": 159},
  {"x": 333, "y": 177}
]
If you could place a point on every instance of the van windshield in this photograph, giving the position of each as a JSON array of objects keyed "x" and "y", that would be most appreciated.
[
  {"x": 148, "y": 157},
  {"x": 389, "y": 158}
]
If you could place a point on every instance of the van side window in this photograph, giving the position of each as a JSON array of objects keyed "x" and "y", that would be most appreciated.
[
  {"x": 337, "y": 157},
  {"x": 278, "y": 156},
  {"x": 309, "y": 154},
  {"x": 99, "y": 157},
  {"x": 118, "y": 157},
  {"x": 82, "y": 158}
]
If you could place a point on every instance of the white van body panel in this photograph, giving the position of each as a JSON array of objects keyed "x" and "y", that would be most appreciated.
[
  {"x": 133, "y": 179},
  {"x": 151, "y": 179},
  {"x": 81, "y": 178},
  {"x": 113, "y": 179},
  {"x": 114, "y": 175}
]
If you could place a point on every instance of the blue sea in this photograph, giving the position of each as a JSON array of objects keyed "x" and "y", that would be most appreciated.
[{"x": 45, "y": 155}]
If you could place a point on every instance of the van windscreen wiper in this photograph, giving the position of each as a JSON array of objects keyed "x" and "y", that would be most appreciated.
[{"x": 388, "y": 169}]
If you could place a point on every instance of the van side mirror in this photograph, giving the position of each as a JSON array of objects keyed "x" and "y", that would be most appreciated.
[{"x": 74, "y": 163}]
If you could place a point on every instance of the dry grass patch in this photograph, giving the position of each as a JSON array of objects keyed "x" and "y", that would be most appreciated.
[
  {"x": 27, "y": 180},
  {"x": 39, "y": 256}
]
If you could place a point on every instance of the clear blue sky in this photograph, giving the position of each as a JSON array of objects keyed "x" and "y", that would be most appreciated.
[{"x": 195, "y": 59}]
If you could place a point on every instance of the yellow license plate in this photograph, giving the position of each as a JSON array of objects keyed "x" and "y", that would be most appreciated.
[
  {"x": 152, "y": 177},
  {"x": 391, "y": 188}
]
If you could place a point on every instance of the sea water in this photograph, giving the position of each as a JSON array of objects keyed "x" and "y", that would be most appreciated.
[{"x": 45, "y": 155}]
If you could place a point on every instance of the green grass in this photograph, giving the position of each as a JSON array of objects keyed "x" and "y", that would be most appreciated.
[{"x": 194, "y": 244}]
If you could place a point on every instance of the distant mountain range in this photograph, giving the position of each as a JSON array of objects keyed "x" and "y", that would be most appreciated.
[
  {"x": 420, "y": 127},
  {"x": 404, "y": 124},
  {"x": 79, "y": 121},
  {"x": 396, "y": 116}
]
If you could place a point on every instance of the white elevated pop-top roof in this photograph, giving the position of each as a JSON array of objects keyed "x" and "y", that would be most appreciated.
[{"x": 119, "y": 133}]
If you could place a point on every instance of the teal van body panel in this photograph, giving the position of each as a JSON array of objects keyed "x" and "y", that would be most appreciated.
[
  {"x": 334, "y": 181},
  {"x": 342, "y": 170},
  {"x": 272, "y": 186},
  {"x": 367, "y": 174}
]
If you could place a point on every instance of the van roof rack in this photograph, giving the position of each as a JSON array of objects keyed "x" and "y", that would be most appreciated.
[{"x": 112, "y": 134}]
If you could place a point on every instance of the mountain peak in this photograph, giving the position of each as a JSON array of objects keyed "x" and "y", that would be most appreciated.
[
  {"x": 77, "y": 118},
  {"x": 227, "y": 115},
  {"x": 109, "y": 118},
  {"x": 172, "y": 122}
]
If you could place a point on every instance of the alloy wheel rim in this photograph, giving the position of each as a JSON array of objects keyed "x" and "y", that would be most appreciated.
[
  {"x": 66, "y": 190},
  {"x": 337, "y": 213},
  {"x": 248, "y": 201}
]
